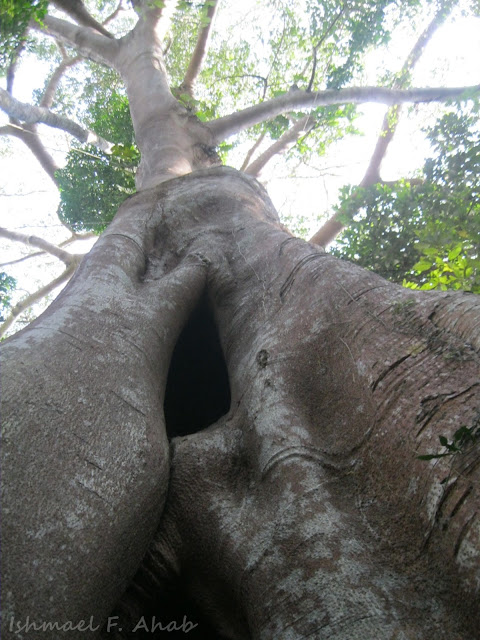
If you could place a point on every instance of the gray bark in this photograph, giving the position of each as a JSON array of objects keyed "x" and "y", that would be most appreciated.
[
  {"x": 303, "y": 512},
  {"x": 300, "y": 510},
  {"x": 171, "y": 140},
  {"x": 227, "y": 126},
  {"x": 31, "y": 114}
]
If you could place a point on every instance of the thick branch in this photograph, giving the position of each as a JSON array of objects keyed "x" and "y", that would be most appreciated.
[
  {"x": 30, "y": 300},
  {"x": 158, "y": 15},
  {"x": 40, "y": 243},
  {"x": 279, "y": 146},
  {"x": 293, "y": 100},
  {"x": 88, "y": 43},
  {"x": 390, "y": 121},
  {"x": 29, "y": 136},
  {"x": 77, "y": 10},
  {"x": 200, "y": 50},
  {"x": 30, "y": 114},
  {"x": 332, "y": 227}
]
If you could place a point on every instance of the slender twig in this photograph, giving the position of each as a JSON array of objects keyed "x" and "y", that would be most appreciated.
[
  {"x": 29, "y": 136},
  {"x": 40, "y": 243},
  {"x": 114, "y": 13},
  {"x": 37, "y": 254},
  {"x": 23, "y": 259},
  {"x": 252, "y": 150},
  {"x": 31, "y": 299},
  {"x": 328, "y": 31},
  {"x": 52, "y": 85}
]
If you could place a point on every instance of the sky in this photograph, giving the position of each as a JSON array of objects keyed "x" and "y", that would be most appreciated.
[{"x": 28, "y": 199}]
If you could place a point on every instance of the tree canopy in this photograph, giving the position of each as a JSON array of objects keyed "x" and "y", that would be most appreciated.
[{"x": 282, "y": 79}]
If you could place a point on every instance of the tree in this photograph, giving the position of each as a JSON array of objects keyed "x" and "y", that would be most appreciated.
[
  {"x": 425, "y": 231},
  {"x": 216, "y": 419}
]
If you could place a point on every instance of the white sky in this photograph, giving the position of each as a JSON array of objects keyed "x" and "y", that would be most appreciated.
[{"x": 28, "y": 199}]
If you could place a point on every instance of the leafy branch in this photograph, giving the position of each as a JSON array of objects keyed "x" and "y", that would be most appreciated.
[{"x": 462, "y": 438}]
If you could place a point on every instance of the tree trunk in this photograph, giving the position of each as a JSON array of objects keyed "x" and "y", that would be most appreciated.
[{"x": 303, "y": 510}]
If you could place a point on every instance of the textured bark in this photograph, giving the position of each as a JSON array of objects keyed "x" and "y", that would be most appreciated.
[
  {"x": 172, "y": 141},
  {"x": 216, "y": 417},
  {"x": 84, "y": 384},
  {"x": 302, "y": 512}
]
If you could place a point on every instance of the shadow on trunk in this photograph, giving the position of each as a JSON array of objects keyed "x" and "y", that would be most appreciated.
[{"x": 198, "y": 390}]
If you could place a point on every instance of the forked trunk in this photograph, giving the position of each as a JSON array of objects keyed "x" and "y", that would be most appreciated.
[{"x": 303, "y": 510}]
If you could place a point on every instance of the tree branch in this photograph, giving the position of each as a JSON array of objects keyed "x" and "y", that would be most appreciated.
[
  {"x": 22, "y": 259},
  {"x": 252, "y": 150},
  {"x": 31, "y": 299},
  {"x": 332, "y": 227},
  {"x": 200, "y": 50},
  {"x": 30, "y": 114},
  {"x": 279, "y": 146},
  {"x": 52, "y": 85},
  {"x": 114, "y": 13},
  {"x": 88, "y": 43},
  {"x": 159, "y": 16},
  {"x": 391, "y": 118},
  {"x": 229, "y": 125},
  {"x": 12, "y": 67},
  {"x": 77, "y": 10},
  {"x": 74, "y": 238},
  {"x": 34, "y": 241},
  {"x": 29, "y": 136}
]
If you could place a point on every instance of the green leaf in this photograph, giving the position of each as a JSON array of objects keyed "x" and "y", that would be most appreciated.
[
  {"x": 453, "y": 253},
  {"x": 421, "y": 266}
]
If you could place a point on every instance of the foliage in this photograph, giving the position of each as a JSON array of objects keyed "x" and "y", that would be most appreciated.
[
  {"x": 93, "y": 184},
  {"x": 425, "y": 235},
  {"x": 109, "y": 116},
  {"x": 7, "y": 286},
  {"x": 462, "y": 438},
  {"x": 347, "y": 30},
  {"x": 311, "y": 44},
  {"x": 14, "y": 18},
  {"x": 382, "y": 224}
]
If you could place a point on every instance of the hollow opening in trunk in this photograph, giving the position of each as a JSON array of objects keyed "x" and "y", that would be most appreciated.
[{"x": 198, "y": 390}]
